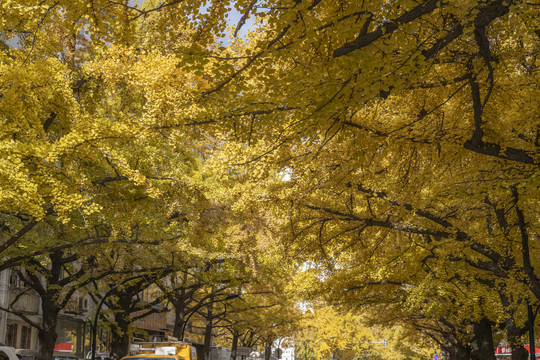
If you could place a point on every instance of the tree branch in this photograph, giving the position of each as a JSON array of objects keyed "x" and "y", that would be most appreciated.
[
  {"x": 13, "y": 239},
  {"x": 365, "y": 39}
]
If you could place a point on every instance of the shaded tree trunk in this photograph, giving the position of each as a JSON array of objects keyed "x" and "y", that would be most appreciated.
[
  {"x": 514, "y": 338},
  {"x": 179, "y": 304},
  {"x": 183, "y": 302},
  {"x": 208, "y": 329},
  {"x": 484, "y": 338},
  {"x": 47, "y": 333},
  {"x": 120, "y": 328},
  {"x": 459, "y": 352},
  {"x": 234, "y": 346},
  {"x": 267, "y": 351},
  {"x": 513, "y": 331},
  {"x": 124, "y": 308},
  {"x": 119, "y": 343},
  {"x": 519, "y": 353}
]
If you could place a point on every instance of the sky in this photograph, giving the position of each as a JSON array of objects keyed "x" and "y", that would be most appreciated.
[{"x": 233, "y": 16}]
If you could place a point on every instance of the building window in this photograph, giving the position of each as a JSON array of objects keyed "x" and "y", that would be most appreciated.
[
  {"x": 13, "y": 279},
  {"x": 26, "y": 335},
  {"x": 11, "y": 335},
  {"x": 83, "y": 304}
]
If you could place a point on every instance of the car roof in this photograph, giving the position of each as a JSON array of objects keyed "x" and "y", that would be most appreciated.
[
  {"x": 150, "y": 356},
  {"x": 65, "y": 354},
  {"x": 26, "y": 352}
]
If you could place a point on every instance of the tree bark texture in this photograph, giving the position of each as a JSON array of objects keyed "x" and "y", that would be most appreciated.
[
  {"x": 484, "y": 338},
  {"x": 208, "y": 329},
  {"x": 47, "y": 334}
]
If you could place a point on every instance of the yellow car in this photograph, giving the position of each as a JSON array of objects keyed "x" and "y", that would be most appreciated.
[
  {"x": 152, "y": 357},
  {"x": 163, "y": 351}
]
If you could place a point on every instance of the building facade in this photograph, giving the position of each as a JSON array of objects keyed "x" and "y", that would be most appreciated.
[{"x": 74, "y": 327}]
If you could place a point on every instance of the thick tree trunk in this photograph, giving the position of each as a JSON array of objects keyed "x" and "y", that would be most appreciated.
[
  {"x": 208, "y": 329},
  {"x": 459, "y": 352},
  {"x": 120, "y": 335},
  {"x": 514, "y": 335},
  {"x": 47, "y": 340},
  {"x": 519, "y": 352},
  {"x": 234, "y": 346},
  {"x": 484, "y": 338},
  {"x": 267, "y": 351},
  {"x": 47, "y": 334},
  {"x": 179, "y": 316},
  {"x": 119, "y": 345}
]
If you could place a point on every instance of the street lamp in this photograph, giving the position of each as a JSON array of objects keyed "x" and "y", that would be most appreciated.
[
  {"x": 330, "y": 338},
  {"x": 88, "y": 320},
  {"x": 531, "y": 317}
]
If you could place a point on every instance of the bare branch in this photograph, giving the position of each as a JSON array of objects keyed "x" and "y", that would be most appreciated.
[{"x": 244, "y": 17}]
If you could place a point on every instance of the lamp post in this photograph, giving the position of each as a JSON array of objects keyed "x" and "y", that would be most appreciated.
[
  {"x": 229, "y": 297},
  {"x": 88, "y": 320},
  {"x": 330, "y": 338},
  {"x": 531, "y": 317}
]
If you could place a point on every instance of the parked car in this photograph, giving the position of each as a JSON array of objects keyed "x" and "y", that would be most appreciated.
[
  {"x": 99, "y": 356},
  {"x": 27, "y": 354},
  {"x": 166, "y": 350},
  {"x": 63, "y": 355},
  {"x": 7, "y": 353}
]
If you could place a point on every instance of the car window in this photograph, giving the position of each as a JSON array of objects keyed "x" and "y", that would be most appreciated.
[{"x": 3, "y": 356}]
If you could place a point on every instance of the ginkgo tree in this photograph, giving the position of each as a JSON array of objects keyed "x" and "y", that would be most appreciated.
[
  {"x": 401, "y": 136},
  {"x": 330, "y": 332},
  {"x": 89, "y": 158},
  {"x": 81, "y": 124},
  {"x": 410, "y": 120}
]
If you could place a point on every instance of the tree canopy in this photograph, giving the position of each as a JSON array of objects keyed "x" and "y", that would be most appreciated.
[{"x": 388, "y": 151}]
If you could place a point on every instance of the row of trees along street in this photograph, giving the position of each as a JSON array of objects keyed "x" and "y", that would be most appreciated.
[{"x": 373, "y": 163}]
